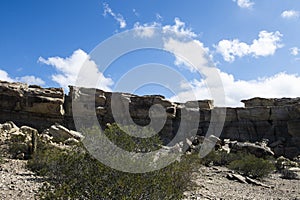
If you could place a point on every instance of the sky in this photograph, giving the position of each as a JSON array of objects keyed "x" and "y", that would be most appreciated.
[{"x": 253, "y": 44}]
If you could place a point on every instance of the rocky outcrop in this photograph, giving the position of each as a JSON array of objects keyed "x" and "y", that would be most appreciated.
[
  {"x": 31, "y": 105},
  {"x": 274, "y": 119},
  {"x": 21, "y": 142},
  {"x": 262, "y": 102},
  {"x": 256, "y": 149}
]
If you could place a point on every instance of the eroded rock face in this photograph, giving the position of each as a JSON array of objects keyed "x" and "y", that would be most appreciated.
[
  {"x": 30, "y": 105},
  {"x": 274, "y": 119},
  {"x": 33, "y": 99},
  {"x": 21, "y": 142},
  {"x": 263, "y": 102}
]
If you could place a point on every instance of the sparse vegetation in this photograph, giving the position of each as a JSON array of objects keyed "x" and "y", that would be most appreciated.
[
  {"x": 242, "y": 162},
  {"x": 77, "y": 175},
  {"x": 220, "y": 158},
  {"x": 249, "y": 165}
]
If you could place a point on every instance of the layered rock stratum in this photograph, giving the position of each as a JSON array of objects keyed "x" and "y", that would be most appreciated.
[{"x": 277, "y": 120}]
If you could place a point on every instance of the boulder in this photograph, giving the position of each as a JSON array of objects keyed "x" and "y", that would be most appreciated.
[
  {"x": 22, "y": 141},
  {"x": 6, "y": 129},
  {"x": 285, "y": 163},
  {"x": 257, "y": 150},
  {"x": 59, "y": 133}
]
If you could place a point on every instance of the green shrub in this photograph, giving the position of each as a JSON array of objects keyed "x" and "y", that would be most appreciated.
[
  {"x": 121, "y": 138},
  {"x": 77, "y": 175},
  {"x": 220, "y": 158},
  {"x": 249, "y": 165}
]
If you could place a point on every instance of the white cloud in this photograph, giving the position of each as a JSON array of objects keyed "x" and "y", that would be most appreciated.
[
  {"x": 277, "y": 86},
  {"x": 179, "y": 28},
  {"x": 191, "y": 53},
  {"x": 266, "y": 45},
  {"x": 244, "y": 3},
  {"x": 231, "y": 48},
  {"x": 118, "y": 17},
  {"x": 4, "y": 76},
  {"x": 31, "y": 80},
  {"x": 145, "y": 30},
  {"x": 69, "y": 68},
  {"x": 294, "y": 51},
  {"x": 188, "y": 51},
  {"x": 289, "y": 14}
]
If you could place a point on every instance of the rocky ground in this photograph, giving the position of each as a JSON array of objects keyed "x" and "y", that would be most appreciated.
[
  {"x": 212, "y": 183},
  {"x": 17, "y": 182}
]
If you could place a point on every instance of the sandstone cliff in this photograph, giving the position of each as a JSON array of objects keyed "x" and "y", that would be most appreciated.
[{"x": 277, "y": 120}]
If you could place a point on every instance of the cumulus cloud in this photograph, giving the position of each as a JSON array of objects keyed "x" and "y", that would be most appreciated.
[
  {"x": 244, "y": 3},
  {"x": 68, "y": 69},
  {"x": 118, "y": 17},
  {"x": 290, "y": 14},
  {"x": 276, "y": 86},
  {"x": 179, "y": 28},
  {"x": 294, "y": 51},
  {"x": 179, "y": 40},
  {"x": 195, "y": 56},
  {"x": 145, "y": 30},
  {"x": 31, "y": 80},
  {"x": 266, "y": 45},
  {"x": 192, "y": 54},
  {"x": 4, "y": 76}
]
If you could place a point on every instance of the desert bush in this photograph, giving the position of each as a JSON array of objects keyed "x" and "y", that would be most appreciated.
[
  {"x": 17, "y": 148},
  {"x": 288, "y": 174},
  {"x": 77, "y": 175},
  {"x": 127, "y": 142},
  {"x": 249, "y": 165},
  {"x": 220, "y": 158}
]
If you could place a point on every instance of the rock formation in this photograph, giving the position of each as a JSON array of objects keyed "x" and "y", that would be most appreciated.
[{"x": 277, "y": 120}]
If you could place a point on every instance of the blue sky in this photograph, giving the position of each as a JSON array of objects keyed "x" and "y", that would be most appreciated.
[{"x": 254, "y": 43}]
